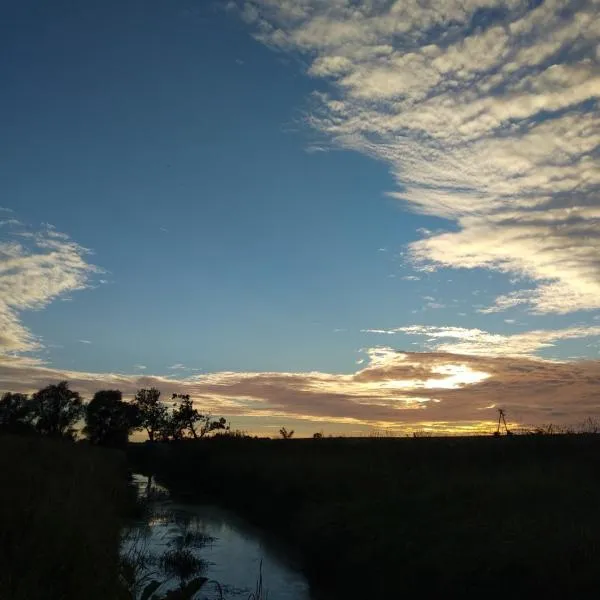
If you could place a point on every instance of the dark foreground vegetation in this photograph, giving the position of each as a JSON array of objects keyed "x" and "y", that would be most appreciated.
[
  {"x": 510, "y": 515},
  {"x": 61, "y": 505},
  {"x": 64, "y": 504},
  {"x": 433, "y": 517}
]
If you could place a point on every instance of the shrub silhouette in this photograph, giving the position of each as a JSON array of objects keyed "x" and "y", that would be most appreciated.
[{"x": 285, "y": 434}]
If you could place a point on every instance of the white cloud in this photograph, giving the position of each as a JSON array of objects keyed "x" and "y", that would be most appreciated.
[
  {"x": 177, "y": 367},
  {"x": 482, "y": 343},
  {"x": 85, "y": 342},
  {"x": 140, "y": 367},
  {"x": 493, "y": 125},
  {"x": 36, "y": 268}
]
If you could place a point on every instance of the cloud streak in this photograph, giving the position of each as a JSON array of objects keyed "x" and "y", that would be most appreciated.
[
  {"x": 460, "y": 340},
  {"x": 487, "y": 113},
  {"x": 36, "y": 268}
]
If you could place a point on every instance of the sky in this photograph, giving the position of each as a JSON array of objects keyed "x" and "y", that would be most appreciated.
[{"x": 334, "y": 215}]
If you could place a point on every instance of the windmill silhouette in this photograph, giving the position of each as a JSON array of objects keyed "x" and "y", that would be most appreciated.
[{"x": 502, "y": 421}]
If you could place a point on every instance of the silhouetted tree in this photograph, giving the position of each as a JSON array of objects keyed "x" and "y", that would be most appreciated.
[
  {"x": 318, "y": 435},
  {"x": 285, "y": 434},
  {"x": 186, "y": 418},
  {"x": 208, "y": 424},
  {"x": 15, "y": 413},
  {"x": 109, "y": 420},
  {"x": 55, "y": 410},
  {"x": 153, "y": 414},
  {"x": 170, "y": 427}
]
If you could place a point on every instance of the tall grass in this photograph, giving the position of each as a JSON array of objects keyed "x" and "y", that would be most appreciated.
[
  {"x": 428, "y": 516},
  {"x": 259, "y": 592},
  {"x": 60, "y": 506}
]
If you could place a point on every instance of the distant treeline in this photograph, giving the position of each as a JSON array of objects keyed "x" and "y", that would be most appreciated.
[{"x": 56, "y": 410}]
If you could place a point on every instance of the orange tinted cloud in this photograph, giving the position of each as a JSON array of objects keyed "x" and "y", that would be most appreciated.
[{"x": 398, "y": 390}]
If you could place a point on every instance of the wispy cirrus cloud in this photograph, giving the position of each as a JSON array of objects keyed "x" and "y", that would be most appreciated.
[
  {"x": 461, "y": 340},
  {"x": 36, "y": 267},
  {"x": 487, "y": 112}
]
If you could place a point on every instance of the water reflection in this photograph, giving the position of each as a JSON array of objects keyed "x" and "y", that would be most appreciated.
[{"x": 232, "y": 549}]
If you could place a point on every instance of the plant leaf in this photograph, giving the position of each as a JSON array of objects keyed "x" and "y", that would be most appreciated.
[
  {"x": 149, "y": 590},
  {"x": 188, "y": 591}
]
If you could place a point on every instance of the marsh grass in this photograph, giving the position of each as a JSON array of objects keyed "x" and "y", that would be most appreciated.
[
  {"x": 60, "y": 516},
  {"x": 138, "y": 565},
  {"x": 430, "y": 516},
  {"x": 180, "y": 561},
  {"x": 152, "y": 576},
  {"x": 143, "y": 573},
  {"x": 259, "y": 592},
  {"x": 181, "y": 564}
]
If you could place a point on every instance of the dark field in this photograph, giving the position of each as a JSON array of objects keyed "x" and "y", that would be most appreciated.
[
  {"x": 60, "y": 507},
  {"x": 384, "y": 518}
]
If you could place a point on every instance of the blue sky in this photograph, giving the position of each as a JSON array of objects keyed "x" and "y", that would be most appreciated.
[{"x": 261, "y": 185}]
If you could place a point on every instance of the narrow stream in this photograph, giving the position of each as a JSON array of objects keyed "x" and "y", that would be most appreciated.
[{"x": 233, "y": 555}]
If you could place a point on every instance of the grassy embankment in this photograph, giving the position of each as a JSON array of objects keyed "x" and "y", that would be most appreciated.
[
  {"x": 60, "y": 507},
  {"x": 384, "y": 518}
]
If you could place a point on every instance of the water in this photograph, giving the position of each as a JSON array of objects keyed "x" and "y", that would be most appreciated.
[{"x": 234, "y": 554}]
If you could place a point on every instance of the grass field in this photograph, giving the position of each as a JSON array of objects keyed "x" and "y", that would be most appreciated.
[
  {"x": 60, "y": 507},
  {"x": 383, "y": 518}
]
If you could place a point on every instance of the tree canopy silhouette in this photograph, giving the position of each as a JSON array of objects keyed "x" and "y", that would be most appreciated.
[
  {"x": 186, "y": 418},
  {"x": 109, "y": 420},
  {"x": 56, "y": 409},
  {"x": 153, "y": 414},
  {"x": 15, "y": 413}
]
